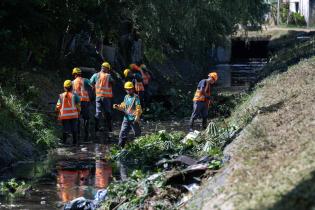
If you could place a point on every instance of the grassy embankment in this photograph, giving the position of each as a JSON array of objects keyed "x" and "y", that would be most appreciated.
[
  {"x": 27, "y": 122},
  {"x": 271, "y": 164}
]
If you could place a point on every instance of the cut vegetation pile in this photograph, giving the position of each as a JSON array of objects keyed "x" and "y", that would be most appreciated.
[{"x": 272, "y": 160}]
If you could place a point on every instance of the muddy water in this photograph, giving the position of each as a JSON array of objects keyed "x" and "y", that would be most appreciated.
[{"x": 70, "y": 172}]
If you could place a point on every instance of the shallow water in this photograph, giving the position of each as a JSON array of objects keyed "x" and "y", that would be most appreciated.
[
  {"x": 69, "y": 172},
  {"x": 65, "y": 174}
]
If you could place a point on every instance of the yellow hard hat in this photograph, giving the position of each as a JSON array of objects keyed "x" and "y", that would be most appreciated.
[
  {"x": 76, "y": 71},
  {"x": 126, "y": 72},
  {"x": 214, "y": 75},
  {"x": 106, "y": 65},
  {"x": 67, "y": 84},
  {"x": 128, "y": 85}
]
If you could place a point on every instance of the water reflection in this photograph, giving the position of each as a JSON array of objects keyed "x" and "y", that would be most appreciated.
[
  {"x": 103, "y": 174},
  {"x": 66, "y": 182},
  {"x": 83, "y": 178},
  {"x": 71, "y": 172}
]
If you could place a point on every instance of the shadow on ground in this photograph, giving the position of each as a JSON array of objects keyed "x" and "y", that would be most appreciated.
[{"x": 301, "y": 197}]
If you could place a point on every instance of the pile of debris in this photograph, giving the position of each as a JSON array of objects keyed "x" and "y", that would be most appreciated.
[{"x": 167, "y": 171}]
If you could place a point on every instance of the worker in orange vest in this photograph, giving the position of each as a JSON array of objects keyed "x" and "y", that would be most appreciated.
[
  {"x": 103, "y": 83},
  {"x": 138, "y": 82},
  {"x": 80, "y": 87},
  {"x": 146, "y": 79},
  {"x": 202, "y": 100},
  {"x": 68, "y": 106}
]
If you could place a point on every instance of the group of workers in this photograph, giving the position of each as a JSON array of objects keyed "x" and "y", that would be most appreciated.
[{"x": 74, "y": 102}]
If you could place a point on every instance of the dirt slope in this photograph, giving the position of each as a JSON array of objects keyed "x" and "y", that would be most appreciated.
[{"x": 272, "y": 163}]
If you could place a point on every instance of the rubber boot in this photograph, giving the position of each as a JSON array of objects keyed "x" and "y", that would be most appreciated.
[
  {"x": 108, "y": 122},
  {"x": 204, "y": 123},
  {"x": 191, "y": 126},
  {"x": 64, "y": 138},
  {"x": 122, "y": 143},
  {"x": 86, "y": 130}
]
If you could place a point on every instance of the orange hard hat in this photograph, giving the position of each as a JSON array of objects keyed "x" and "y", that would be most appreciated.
[
  {"x": 213, "y": 75},
  {"x": 134, "y": 67}
]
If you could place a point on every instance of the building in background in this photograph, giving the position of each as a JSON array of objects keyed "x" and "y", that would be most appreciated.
[{"x": 303, "y": 7}]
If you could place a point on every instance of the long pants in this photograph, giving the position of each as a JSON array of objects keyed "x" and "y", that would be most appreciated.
[
  {"x": 69, "y": 126},
  {"x": 103, "y": 105},
  {"x": 85, "y": 114},
  {"x": 200, "y": 109},
  {"x": 125, "y": 128}
]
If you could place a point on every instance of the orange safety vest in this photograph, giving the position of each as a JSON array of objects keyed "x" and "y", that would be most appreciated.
[
  {"x": 139, "y": 86},
  {"x": 78, "y": 88},
  {"x": 103, "y": 86},
  {"x": 199, "y": 96},
  {"x": 146, "y": 77},
  {"x": 68, "y": 108}
]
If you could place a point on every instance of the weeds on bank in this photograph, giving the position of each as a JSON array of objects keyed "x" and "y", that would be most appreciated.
[
  {"x": 13, "y": 188},
  {"x": 34, "y": 123}
]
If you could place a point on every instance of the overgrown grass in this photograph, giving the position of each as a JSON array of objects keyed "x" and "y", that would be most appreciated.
[
  {"x": 288, "y": 55},
  {"x": 35, "y": 124},
  {"x": 23, "y": 110},
  {"x": 13, "y": 188}
]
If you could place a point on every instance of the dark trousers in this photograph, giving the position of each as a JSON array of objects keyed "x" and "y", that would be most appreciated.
[
  {"x": 125, "y": 128},
  {"x": 69, "y": 127},
  {"x": 85, "y": 114},
  {"x": 103, "y": 106},
  {"x": 200, "y": 109}
]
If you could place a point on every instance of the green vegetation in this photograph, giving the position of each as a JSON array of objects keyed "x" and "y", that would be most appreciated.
[
  {"x": 188, "y": 28},
  {"x": 24, "y": 109},
  {"x": 13, "y": 188},
  {"x": 287, "y": 18},
  {"x": 147, "y": 150},
  {"x": 289, "y": 55},
  {"x": 34, "y": 123},
  {"x": 297, "y": 19},
  {"x": 141, "y": 189}
]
